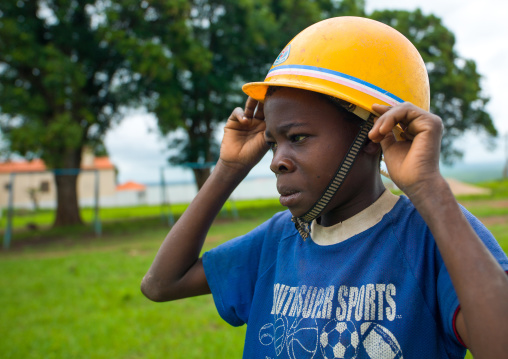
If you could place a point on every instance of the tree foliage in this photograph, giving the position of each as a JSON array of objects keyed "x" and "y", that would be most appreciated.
[
  {"x": 239, "y": 40},
  {"x": 68, "y": 67},
  {"x": 455, "y": 84}
]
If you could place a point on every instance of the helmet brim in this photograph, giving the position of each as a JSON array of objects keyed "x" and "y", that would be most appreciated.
[{"x": 257, "y": 90}]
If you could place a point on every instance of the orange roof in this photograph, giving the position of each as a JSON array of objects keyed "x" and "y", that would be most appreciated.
[
  {"x": 131, "y": 186},
  {"x": 101, "y": 163},
  {"x": 38, "y": 165},
  {"x": 23, "y": 166}
]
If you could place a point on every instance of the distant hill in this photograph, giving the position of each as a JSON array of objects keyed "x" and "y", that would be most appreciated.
[{"x": 474, "y": 172}]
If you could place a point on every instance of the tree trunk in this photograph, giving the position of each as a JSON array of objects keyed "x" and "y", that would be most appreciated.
[
  {"x": 201, "y": 175},
  {"x": 67, "y": 210}
]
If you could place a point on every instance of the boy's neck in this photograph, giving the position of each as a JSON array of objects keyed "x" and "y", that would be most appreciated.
[
  {"x": 359, "y": 223},
  {"x": 352, "y": 206}
]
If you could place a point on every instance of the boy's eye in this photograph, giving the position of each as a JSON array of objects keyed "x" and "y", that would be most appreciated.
[
  {"x": 298, "y": 138},
  {"x": 272, "y": 145}
]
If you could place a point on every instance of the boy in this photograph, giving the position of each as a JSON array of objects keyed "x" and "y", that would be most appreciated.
[{"x": 350, "y": 271}]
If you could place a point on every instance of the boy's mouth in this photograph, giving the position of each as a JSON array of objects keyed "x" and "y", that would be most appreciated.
[{"x": 288, "y": 196}]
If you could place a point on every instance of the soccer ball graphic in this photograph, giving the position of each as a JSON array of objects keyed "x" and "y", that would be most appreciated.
[{"x": 339, "y": 340}]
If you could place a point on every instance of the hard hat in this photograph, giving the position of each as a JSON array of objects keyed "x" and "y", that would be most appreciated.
[{"x": 358, "y": 60}]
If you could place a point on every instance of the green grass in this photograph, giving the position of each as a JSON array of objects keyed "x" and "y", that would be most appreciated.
[
  {"x": 84, "y": 302},
  {"x": 498, "y": 190},
  {"x": 43, "y": 219},
  {"x": 88, "y": 305},
  {"x": 78, "y": 296},
  {"x": 122, "y": 219}
]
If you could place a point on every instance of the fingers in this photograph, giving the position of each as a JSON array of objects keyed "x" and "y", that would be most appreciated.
[
  {"x": 380, "y": 109},
  {"x": 247, "y": 118},
  {"x": 254, "y": 109},
  {"x": 260, "y": 113},
  {"x": 237, "y": 115},
  {"x": 413, "y": 120}
]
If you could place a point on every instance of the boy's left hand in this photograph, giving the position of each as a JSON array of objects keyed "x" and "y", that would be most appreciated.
[
  {"x": 478, "y": 279},
  {"x": 412, "y": 164}
]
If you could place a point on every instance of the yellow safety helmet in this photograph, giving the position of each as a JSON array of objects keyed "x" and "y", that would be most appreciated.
[{"x": 358, "y": 60}]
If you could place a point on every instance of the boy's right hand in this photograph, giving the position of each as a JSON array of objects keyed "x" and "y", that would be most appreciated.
[
  {"x": 244, "y": 143},
  {"x": 177, "y": 270}
]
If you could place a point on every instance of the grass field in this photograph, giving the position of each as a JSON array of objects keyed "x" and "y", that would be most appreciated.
[{"x": 72, "y": 295}]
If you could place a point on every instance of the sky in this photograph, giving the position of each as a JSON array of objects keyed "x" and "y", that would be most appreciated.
[{"x": 481, "y": 34}]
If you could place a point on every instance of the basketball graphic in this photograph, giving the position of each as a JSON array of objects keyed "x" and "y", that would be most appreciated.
[
  {"x": 378, "y": 342},
  {"x": 302, "y": 338},
  {"x": 279, "y": 335},
  {"x": 339, "y": 340}
]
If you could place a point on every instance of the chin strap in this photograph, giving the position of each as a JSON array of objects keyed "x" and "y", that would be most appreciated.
[{"x": 302, "y": 223}]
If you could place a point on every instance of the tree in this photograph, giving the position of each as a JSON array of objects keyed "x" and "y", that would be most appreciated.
[
  {"x": 240, "y": 38},
  {"x": 69, "y": 67},
  {"x": 456, "y": 93}
]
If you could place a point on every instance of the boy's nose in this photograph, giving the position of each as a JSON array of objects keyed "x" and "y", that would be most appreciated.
[{"x": 281, "y": 163}]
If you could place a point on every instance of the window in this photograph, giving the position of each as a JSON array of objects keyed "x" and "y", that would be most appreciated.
[{"x": 44, "y": 186}]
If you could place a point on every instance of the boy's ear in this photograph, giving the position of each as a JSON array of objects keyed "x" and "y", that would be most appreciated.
[{"x": 372, "y": 148}]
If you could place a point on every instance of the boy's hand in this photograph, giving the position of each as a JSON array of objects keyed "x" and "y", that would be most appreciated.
[
  {"x": 244, "y": 144},
  {"x": 412, "y": 164}
]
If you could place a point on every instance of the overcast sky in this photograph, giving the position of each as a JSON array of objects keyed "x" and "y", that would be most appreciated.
[{"x": 481, "y": 32}]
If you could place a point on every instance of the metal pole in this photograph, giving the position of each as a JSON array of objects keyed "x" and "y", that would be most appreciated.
[
  {"x": 234, "y": 210},
  {"x": 171, "y": 217},
  {"x": 165, "y": 201},
  {"x": 10, "y": 212},
  {"x": 97, "y": 222},
  {"x": 505, "y": 170},
  {"x": 163, "y": 194}
]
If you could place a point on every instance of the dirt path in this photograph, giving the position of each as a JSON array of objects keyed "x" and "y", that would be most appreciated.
[
  {"x": 492, "y": 221},
  {"x": 461, "y": 189}
]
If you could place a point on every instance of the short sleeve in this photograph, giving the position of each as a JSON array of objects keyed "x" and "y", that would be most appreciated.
[
  {"x": 448, "y": 301},
  {"x": 232, "y": 269}
]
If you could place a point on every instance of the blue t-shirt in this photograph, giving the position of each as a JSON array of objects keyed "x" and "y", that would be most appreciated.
[{"x": 383, "y": 293}]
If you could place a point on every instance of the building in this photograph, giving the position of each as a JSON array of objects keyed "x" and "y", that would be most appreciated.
[
  {"x": 131, "y": 193},
  {"x": 34, "y": 185}
]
